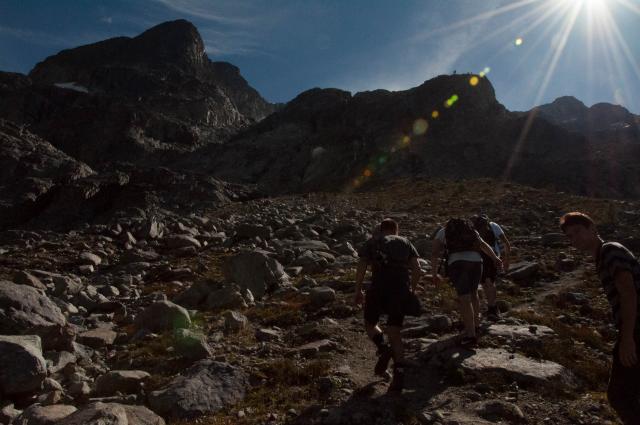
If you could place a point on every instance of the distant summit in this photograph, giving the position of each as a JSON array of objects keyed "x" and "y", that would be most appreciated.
[
  {"x": 573, "y": 115},
  {"x": 133, "y": 99}
]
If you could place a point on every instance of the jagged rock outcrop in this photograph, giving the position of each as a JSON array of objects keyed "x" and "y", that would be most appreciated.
[
  {"x": 133, "y": 99},
  {"x": 599, "y": 120}
]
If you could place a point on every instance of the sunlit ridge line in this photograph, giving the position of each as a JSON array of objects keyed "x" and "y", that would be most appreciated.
[
  {"x": 554, "y": 61},
  {"x": 483, "y": 16}
]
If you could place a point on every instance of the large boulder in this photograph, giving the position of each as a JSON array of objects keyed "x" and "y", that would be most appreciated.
[
  {"x": 112, "y": 414},
  {"x": 256, "y": 271},
  {"x": 123, "y": 381},
  {"x": 22, "y": 367},
  {"x": 206, "y": 387},
  {"x": 44, "y": 415},
  {"x": 25, "y": 310},
  {"x": 163, "y": 316}
]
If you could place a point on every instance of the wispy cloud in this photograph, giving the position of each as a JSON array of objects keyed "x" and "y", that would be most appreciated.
[
  {"x": 107, "y": 20},
  {"x": 223, "y": 12},
  {"x": 47, "y": 39}
]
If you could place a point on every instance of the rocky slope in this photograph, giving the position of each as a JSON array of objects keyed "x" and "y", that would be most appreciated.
[
  {"x": 141, "y": 99},
  {"x": 243, "y": 314},
  {"x": 450, "y": 126}
]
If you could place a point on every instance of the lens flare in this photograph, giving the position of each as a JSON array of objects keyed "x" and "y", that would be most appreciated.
[
  {"x": 519, "y": 41},
  {"x": 474, "y": 81},
  {"x": 484, "y": 72},
  {"x": 420, "y": 127},
  {"x": 406, "y": 140},
  {"x": 449, "y": 102},
  {"x": 435, "y": 114},
  {"x": 367, "y": 173}
]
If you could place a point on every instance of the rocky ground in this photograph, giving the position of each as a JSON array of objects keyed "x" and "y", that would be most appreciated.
[{"x": 243, "y": 315}]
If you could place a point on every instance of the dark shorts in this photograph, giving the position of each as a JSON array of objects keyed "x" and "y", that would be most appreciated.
[
  {"x": 465, "y": 276},
  {"x": 489, "y": 270},
  {"x": 381, "y": 299}
]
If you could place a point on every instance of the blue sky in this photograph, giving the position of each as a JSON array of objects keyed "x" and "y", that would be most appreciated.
[{"x": 535, "y": 50}]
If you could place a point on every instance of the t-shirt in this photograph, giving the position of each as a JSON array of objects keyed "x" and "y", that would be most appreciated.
[
  {"x": 497, "y": 232},
  {"x": 473, "y": 256},
  {"x": 613, "y": 258},
  {"x": 397, "y": 252}
]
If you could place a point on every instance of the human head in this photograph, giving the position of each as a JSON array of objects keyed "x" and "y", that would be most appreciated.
[
  {"x": 389, "y": 227},
  {"x": 581, "y": 230}
]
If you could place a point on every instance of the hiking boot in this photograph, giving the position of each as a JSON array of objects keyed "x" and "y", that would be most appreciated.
[
  {"x": 493, "y": 314},
  {"x": 384, "y": 357},
  {"x": 397, "y": 383}
]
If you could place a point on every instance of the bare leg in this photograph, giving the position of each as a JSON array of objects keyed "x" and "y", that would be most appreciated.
[
  {"x": 395, "y": 339},
  {"x": 489, "y": 287},
  {"x": 468, "y": 314}
]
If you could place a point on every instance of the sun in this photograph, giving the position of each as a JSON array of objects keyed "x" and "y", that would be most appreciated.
[{"x": 592, "y": 6}]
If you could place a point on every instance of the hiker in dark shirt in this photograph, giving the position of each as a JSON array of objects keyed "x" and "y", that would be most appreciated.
[
  {"x": 619, "y": 273},
  {"x": 391, "y": 258}
]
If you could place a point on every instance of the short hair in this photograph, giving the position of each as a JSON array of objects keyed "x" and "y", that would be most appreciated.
[
  {"x": 389, "y": 225},
  {"x": 575, "y": 218}
]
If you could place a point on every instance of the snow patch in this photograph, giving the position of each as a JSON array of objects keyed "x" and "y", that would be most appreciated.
[{"x": 72, "y": 85}]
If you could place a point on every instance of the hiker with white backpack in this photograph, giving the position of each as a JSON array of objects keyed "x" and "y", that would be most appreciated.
[{"x": 464, "y": 268}]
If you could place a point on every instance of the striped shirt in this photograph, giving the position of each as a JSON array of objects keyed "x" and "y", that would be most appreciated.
[{"x": 614, "y": 258}]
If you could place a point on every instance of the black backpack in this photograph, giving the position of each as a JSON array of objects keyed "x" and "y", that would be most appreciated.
[
  {"x": 460, "y": 236},
  {"x": 482, "y": 224}
]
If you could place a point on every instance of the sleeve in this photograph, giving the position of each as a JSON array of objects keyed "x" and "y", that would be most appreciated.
[
  {"x": 497, "y": 230},
  {"x": 617, "y": 260},
  {"x": 365, "y": 251}
]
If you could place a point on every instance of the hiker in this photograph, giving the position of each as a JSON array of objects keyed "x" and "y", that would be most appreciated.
[
  {"x": 464, "y": 269},
  {"x": 392, "y": 289},
  {"x": 493, "y": 235},
  {"x": 619, "y": 273}
]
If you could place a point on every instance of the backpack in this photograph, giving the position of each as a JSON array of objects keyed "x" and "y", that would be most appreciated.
[
  {"x": 482, "y": 224},
  {"x": 460, "y": 236},
  {"x": 381, "y": 259}
]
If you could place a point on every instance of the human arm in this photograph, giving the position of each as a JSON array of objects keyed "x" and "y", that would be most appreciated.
[
  {"x": 437, "y": 248},
  {"x": 415, "y": 273},
  {"x": 506, "y": 257},
  {"x": 628, "y": 313},
  {"x": 361, "y": 270},
  {"x": 489, "y": 251}
]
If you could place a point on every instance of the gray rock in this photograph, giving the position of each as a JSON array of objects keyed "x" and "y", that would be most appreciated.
[
  {"x": 98, "y": 338},
  {"x": 227, "y": 297},
  {"x": 206, "y": 387},
  {"x": 440, "y": 323},
  {"x": 112, "y": 414},
  {"x": 24, "y": 310},
  {"x": 322, "y": 295},
  {"x": 22, "y": 367},
  {"x": 235, "y": 321},
  {"x": 8, "y": 413},
  {"x": 89, "y": 258},
  {"x": 496, "y": 410},
  {"x": 520, "y": 332},
  {"x": 123, "y": 381},
  {"x": 65, "y": 285},
  {"x": 181, "y": 241},
  {"x": 251, "y": 231},
  {"x": 44, "y": 415},
  {"x": 516, "y": 367},
  {"x": 162, "y": 316},
  {"x": 57, "y": 360},
  {"x": 256, "y": 271},
  {"x": 264, "y": 335},
  {"x": 313, "y": 348},
  {"x": 523, "y": 271},
  {"x": 24, "y": 278},
  {"x": 192, "y": 345}
]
